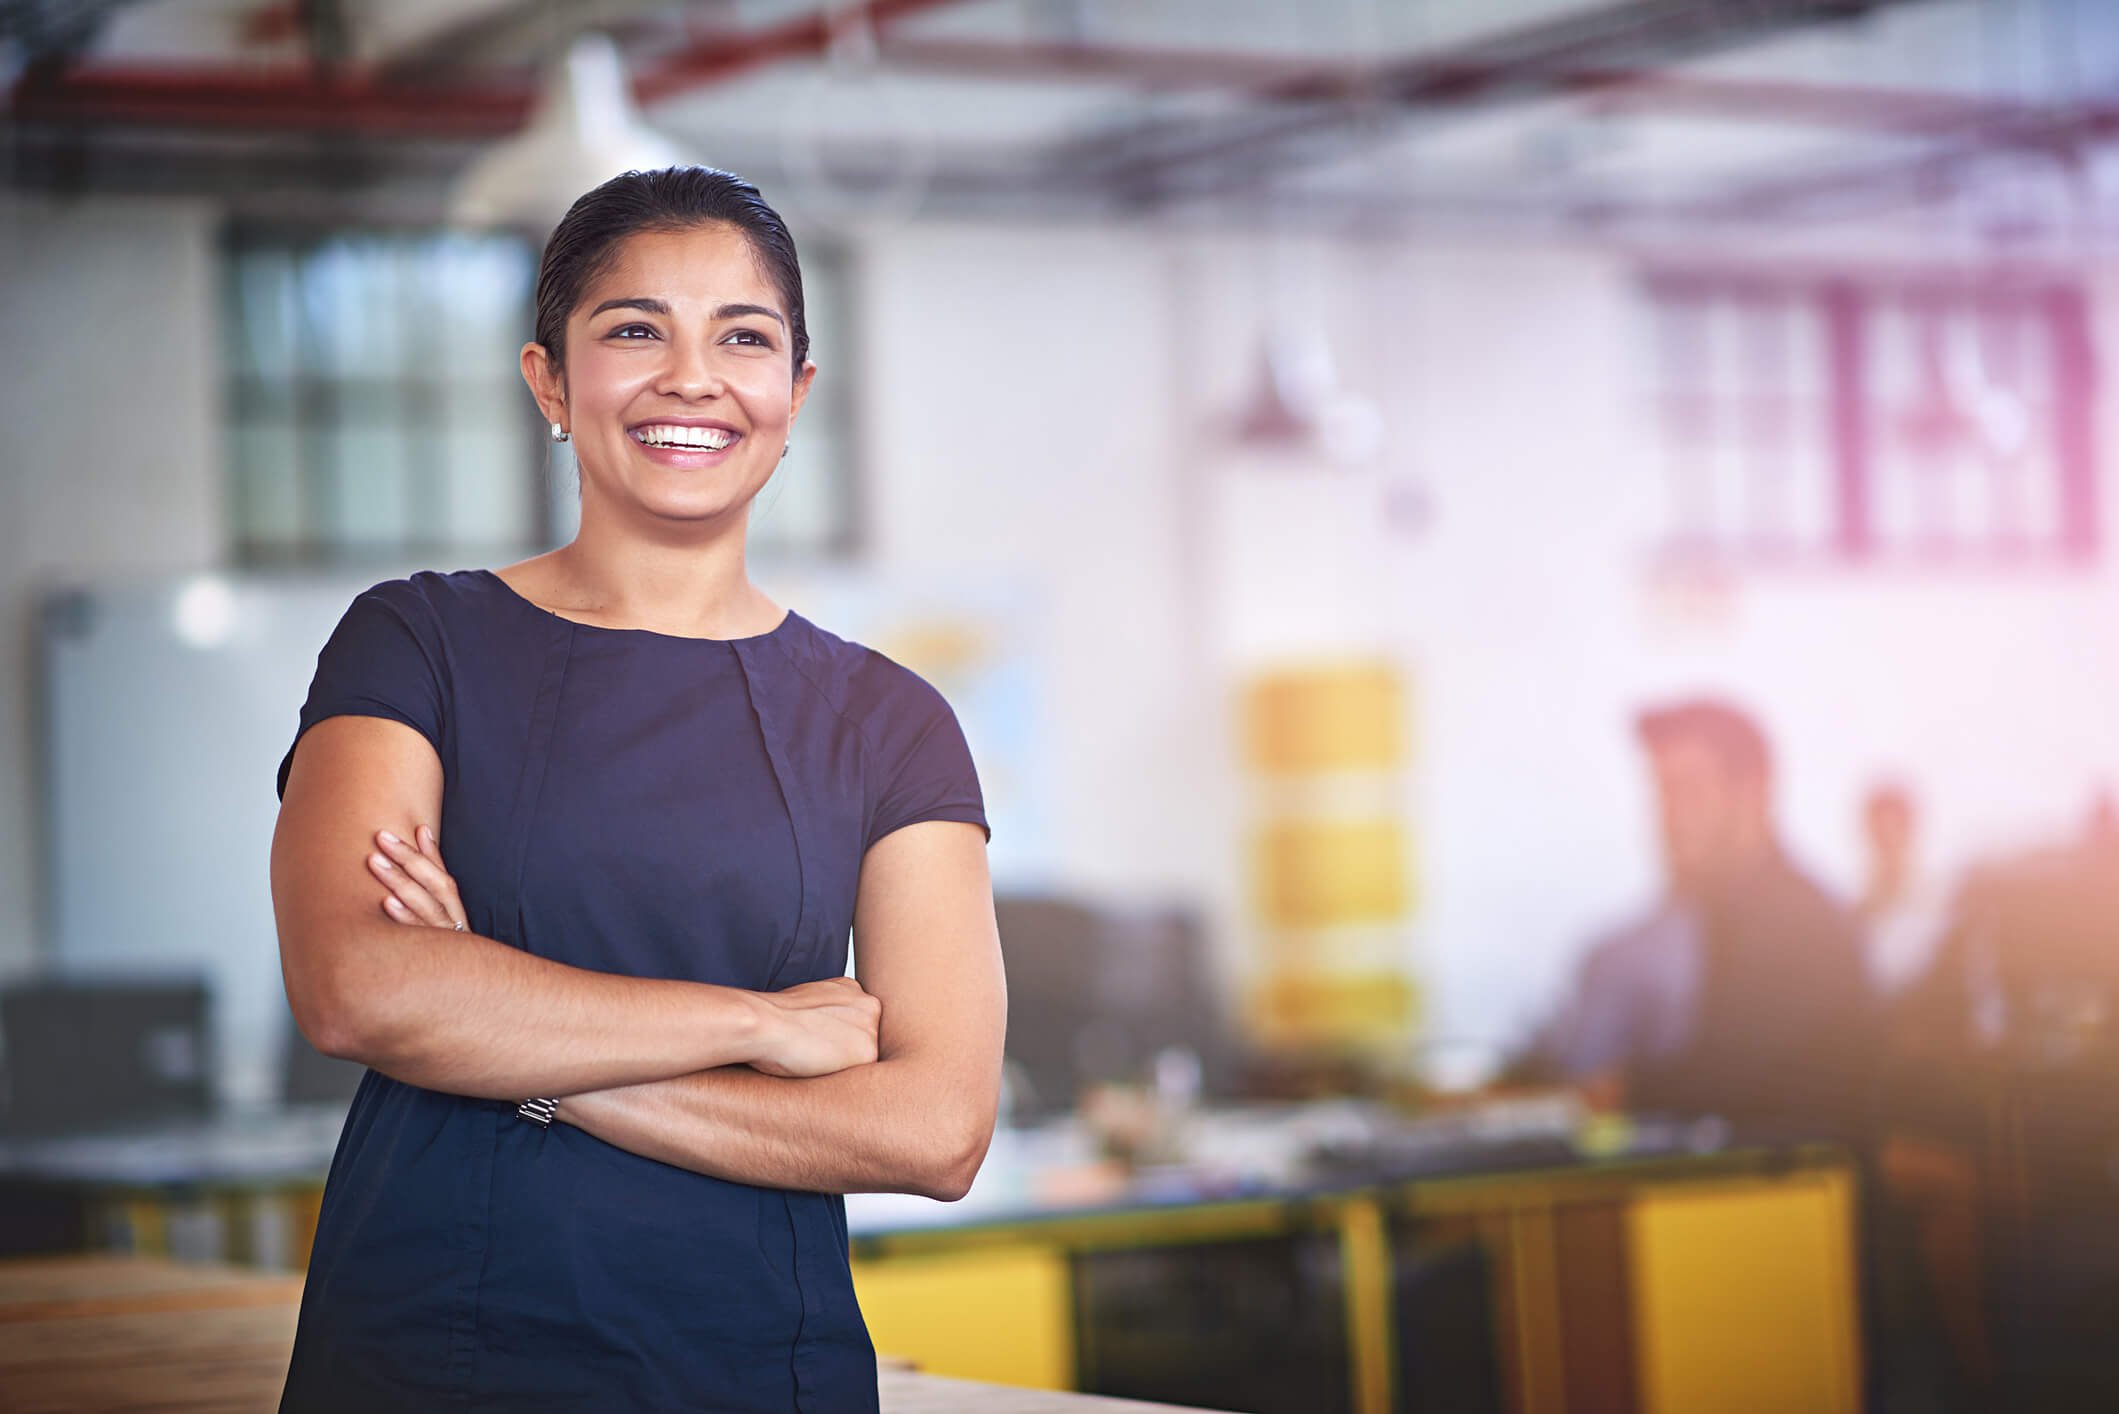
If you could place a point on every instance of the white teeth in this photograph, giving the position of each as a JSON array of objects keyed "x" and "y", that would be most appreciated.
[{"x": 661, "y": 434}]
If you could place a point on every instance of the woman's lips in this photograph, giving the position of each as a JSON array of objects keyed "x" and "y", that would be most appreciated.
[{"x": 688, "y": 447}]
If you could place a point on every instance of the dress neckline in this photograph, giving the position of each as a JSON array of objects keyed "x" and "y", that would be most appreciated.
[{"x": 786, "y": 618}]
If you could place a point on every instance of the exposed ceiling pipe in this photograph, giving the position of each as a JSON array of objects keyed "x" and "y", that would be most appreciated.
[
  {"x": 1869, "y": 186},
  {"x": 1891, "y": 110},
  {"x": 361, "y": 104},
  {"x": 1531, "y": 60}
]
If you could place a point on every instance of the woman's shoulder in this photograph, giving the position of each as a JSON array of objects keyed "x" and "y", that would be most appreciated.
[
  {"x": 867, "y": 687},
  {"x": 439, "y": 599}
]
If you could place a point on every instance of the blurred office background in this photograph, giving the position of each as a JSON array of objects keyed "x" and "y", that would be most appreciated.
[{"x": 1301, "y": 439}]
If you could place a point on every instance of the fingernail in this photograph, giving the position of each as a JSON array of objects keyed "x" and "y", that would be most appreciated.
[
  {"x": 381, "y": 861},
  {"x": 426, "y": 836},
  {"x": 387, "y": 838}
]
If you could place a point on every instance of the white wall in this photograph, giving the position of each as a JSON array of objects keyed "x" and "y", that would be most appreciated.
[
  {"x": 1017, "y": 392},
  {"x": 110, "y": 465},
  {"x": 1539, "y": 627},
  {"x": 1054, "y": 405}
]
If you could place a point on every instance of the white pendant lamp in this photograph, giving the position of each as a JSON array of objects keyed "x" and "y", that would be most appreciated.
[{"x": 585, "y": 130}]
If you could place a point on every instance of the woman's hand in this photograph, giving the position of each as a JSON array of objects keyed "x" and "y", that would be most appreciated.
[
  {"x": 812, "y": 1029},
  {"x": 419, "y": 889},
  {"x": 817, "y": 1028}
]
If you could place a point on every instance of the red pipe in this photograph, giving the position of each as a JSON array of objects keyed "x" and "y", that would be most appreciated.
[
  {"x": 1883, "y": 109},
  {"x": 235, "y": 98},
  {"x": 712, "y": 60}
]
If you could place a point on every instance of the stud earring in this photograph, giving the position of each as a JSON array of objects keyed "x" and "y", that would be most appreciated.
[{"x": 560, "y": 434}]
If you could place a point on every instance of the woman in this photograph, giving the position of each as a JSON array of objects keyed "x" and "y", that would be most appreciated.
[{"x": 665, "y": 802}]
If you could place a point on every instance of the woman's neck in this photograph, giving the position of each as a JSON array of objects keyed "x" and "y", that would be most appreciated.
[{"x": 696, "y": 589}]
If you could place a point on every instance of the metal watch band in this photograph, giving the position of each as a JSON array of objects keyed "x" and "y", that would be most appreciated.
[{"x": 538, "y": 1111}]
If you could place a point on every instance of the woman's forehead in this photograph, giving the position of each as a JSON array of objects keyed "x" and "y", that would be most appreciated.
[{"x": 715, "y": 263}]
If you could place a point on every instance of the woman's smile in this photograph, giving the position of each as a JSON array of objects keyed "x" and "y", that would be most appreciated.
[{"x": 688, "y": 444}]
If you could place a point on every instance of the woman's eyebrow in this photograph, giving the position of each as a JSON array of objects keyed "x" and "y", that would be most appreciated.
[
  {"x": 741, "y": 311},
  {"x": 650, "y": 305},
  {"x": 643, "y": 303}
]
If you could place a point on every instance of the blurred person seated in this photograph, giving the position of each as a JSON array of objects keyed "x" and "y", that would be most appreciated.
[
  {"x": 1739, "y": 993},
  {"x": 1901, "y": 912},
  {"x": 1999, "y": 1123}
]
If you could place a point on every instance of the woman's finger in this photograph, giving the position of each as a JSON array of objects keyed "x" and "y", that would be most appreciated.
[
  {"x": 423, "y": 906},
  {"x": 399, "y": 913},
  {"x": 423, "y": 871},
  {"x": 430, "y": 846}
]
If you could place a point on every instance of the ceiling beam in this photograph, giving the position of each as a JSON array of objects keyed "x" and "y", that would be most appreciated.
[
  {"x": 1189, "y": 157},
  {"x": 364, "y": 104},
  {"x": 1912, "y": 112},
  {"x": 2059, "y": 134}
]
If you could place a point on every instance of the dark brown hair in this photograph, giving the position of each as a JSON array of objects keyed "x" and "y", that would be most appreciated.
[
  {"x": 1724, "y": 729},
  {"x": 586, "y": 240}
]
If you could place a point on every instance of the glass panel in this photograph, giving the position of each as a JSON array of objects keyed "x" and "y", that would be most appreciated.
[
  {"x": 350, "y": 308},
  {"x": 261, "y": 322},
  {"x": 467, "y": 307},
  {"x": 367, "y": 507},
  {"x": 486, "y": 488},
  {"x": 373, "y": 398},
  {"x": 267, "y": 503}
]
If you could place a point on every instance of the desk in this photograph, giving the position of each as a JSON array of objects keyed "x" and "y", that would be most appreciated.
[
  {"x": 115, "y": 1335},
  {"x": 1720, "y": 1282},
  {"x": 1651, "y": 1283}
]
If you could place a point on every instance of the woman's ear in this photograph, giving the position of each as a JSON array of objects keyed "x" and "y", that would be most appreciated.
[
  {"x": 547, "y": 382},
  {"x": 803, "y": 379}
]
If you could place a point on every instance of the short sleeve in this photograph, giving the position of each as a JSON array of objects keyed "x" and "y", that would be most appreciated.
[
  {"x": 383, "y": 660},
  {"x": 931, "y": 777}
]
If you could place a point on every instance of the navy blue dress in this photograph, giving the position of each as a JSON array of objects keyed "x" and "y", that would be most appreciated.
[{"x": 634, "y": 803}]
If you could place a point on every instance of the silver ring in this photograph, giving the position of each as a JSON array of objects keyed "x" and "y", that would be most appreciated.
[{"x": 462, "y": 927}]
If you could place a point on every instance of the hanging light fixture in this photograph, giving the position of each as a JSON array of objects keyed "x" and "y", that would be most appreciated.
[
  {"x": 1296, "y": 401},
  {"x": 585, "y": 130}
]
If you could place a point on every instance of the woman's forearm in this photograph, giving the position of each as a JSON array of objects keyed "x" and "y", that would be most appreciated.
[
  {"x": 464, "y": 1014},
  {"x": 899, "y": 1125}
]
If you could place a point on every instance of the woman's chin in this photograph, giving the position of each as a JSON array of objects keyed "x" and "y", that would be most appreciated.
[
  {"x": 701, "y": 504},
  {"x": 707, "y": 508}
]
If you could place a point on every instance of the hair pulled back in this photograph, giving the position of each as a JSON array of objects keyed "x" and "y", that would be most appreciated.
[{"x": 586, "y": 241}]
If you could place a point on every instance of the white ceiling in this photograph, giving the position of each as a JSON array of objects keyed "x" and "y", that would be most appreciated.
[{"x": 1057, "y": 138}]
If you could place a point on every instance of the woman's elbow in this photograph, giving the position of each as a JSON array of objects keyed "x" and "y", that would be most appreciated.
[
  {"x": 333, "y": 1011},
  {"x": 954, "y": 1160},
  {"x": 328, "y": 1023}
]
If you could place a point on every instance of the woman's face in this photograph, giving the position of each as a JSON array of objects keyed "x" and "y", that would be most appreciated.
[{"x": 679, "y": 387}]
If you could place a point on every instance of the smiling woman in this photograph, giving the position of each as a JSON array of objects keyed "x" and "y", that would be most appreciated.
[
  {"x": 679, "y": 385},
  {"x": 666, "y": 801}
]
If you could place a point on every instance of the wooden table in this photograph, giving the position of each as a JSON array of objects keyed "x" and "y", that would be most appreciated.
[{"x": 125, "y": 1335}]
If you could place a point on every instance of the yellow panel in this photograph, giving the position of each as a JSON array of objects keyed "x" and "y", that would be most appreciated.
[
  {"x": 1001, "y": 1315},
  {"x": 1297, "y": 1009},
  {"x": 1744, "y": 1298},
  {"x": 1321, "y": 873},
  {"x": 1365, "y": 1269},
  {"x": 1325, "y": 719}
]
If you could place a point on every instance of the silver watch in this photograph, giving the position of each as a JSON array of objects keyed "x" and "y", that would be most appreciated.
[{"x": 540, "y": 1112}]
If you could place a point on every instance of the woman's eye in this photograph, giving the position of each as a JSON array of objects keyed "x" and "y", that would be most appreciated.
[
  {"x": 747, "y": 336},
  {"x": 627, "y": 331}
]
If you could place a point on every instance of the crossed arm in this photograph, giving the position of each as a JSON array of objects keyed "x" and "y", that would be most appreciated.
[{"x": 807, "y": 1088}]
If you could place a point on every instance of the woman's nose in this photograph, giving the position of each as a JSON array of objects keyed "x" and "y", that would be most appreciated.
[{"x": 690, "y": 372}]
